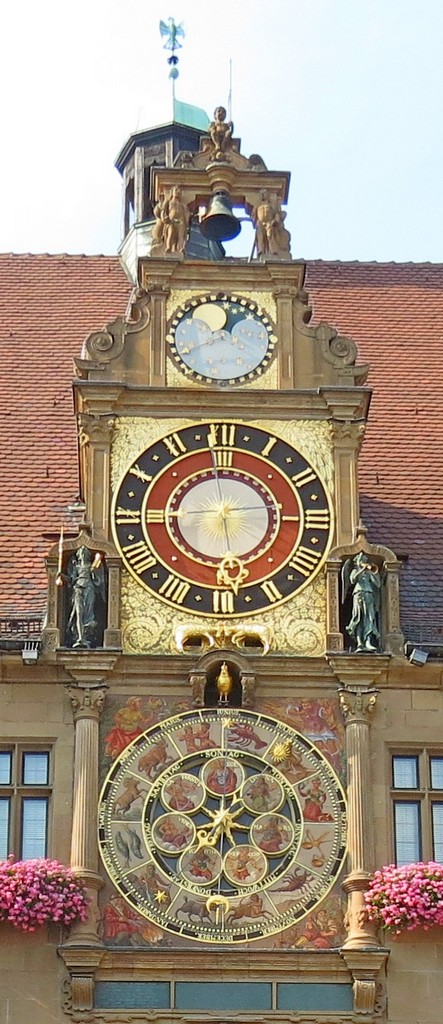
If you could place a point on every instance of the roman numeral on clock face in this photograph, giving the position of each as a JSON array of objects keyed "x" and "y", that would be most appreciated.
[
  {"x": 305, "y": 561},
  {"x": 271, "y": 590},
  {"x": 175, "y": 589},
  {"x": 221, "y": 434},
  {"x": 139, "y": 556},
  {"x": 223, "y": 459},
  {"x": 155, "y": 515},
  {"x": 175, "y": 445},
  {"x": 305, "y": 477},
  {"x": 124, "y": 516},
  {"x": 223, "y": 602},
  {"x": 317, "y": 519}
]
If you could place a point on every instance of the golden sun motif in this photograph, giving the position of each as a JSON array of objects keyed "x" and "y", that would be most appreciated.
[
  {"x": 281, "y": 752},
  {"x": 216, "y": 514}
]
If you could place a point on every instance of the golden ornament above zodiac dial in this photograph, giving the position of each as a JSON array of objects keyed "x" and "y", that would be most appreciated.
[
  {"x": 222, "y": 825},
  {"x": 222, "y": 519}
]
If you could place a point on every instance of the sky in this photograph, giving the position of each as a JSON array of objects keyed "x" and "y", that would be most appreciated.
[{"x": 345, "y": 94}]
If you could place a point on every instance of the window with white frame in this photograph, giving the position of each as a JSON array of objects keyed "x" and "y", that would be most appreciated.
[
  {"x": 25, "y": 792},
  {"x": 417, "y": 799}
]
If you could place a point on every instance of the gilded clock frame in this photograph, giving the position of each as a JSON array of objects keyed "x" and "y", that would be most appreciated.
[
  {"x": 225, "y": 608},
  {"x": 284, "y": 747},
  {"x": 192, "y": 303}
]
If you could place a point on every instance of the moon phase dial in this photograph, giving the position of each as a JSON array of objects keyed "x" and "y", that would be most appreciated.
[
  {"x": 222, "y": 519},
  {"x": 222, "y": 826},
  {"x": 221, "y": 338}
]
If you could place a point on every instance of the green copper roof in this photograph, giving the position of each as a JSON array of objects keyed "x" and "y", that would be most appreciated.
[{"x": 193, "y": 117}]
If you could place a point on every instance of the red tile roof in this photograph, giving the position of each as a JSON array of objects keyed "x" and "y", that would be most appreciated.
[
  {"x": 394, "y": 312},
  {"x": 48, "y": 304}
]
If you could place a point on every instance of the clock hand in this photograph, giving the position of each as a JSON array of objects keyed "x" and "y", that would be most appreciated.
[
  {"x": 202, "y": 511},
  {"x": 211, "y": 444}
]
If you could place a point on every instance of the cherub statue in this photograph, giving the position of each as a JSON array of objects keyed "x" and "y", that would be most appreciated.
[
  {"x": 364, "y": 579},
  {"x": 220, "y": 132},
  {"x": 271, "y": 236}
]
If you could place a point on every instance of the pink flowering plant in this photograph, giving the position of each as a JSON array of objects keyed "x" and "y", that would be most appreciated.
[
  {"x": 35, "y": 891},
  {"x": 408, "y": 897}
]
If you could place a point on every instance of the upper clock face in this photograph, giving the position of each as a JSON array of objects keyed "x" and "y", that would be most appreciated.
[
  {"x": 221, "y": 338},
  {"x": 222, "y": 519},
  {"x": 222, "y": 826}
]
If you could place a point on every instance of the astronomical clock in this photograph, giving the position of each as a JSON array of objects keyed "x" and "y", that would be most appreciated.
[
  {"x": 223, "y": 826},
  {"x": 221, "y": 338},
  {"x": 218, "y": 450}
]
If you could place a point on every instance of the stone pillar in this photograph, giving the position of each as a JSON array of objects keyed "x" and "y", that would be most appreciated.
[
  {"x": 347, "y": 438},
  {"x": 95, "y": 435},
  {"x": 51, "y": 632},
  {"x": 394, "y": 639},
  {"x": 112, "y": 633},
  {"x": 357, "y": 703},
  {"x": 247, "y": 680},
  {"x": 334, "y": 637},
  {"x": 197, "y": 679},
  {"x": 87, "y": 703},
  {"x": 285, "y": 297}
]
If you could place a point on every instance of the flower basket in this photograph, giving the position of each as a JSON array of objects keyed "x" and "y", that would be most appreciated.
[
  {"x": 405, "y": 898},
  {"x": 33, "y": 892}
]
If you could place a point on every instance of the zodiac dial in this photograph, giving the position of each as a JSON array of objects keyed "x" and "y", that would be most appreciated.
[
  {"x": 222, "y": 519},
  {"x": 222, "y": 825},
  {"x": 221, "y": 338}
]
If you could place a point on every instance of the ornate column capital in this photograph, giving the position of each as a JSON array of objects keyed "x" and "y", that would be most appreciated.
[
  {"x": 357, "y": 704},
  {"x": 87, "y": 701},
  {"x": 95, "y": 429},
  {"x": 349, "y": 434}
]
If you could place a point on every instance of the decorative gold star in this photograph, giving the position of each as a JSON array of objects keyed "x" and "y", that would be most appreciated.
[{"x": 160, "y": 896}]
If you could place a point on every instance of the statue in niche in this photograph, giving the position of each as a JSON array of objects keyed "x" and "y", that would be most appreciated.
[
  {"x": 175, "y": 217},
  {"x": 271, "y": 236},
  {"x": 224, "y": 683},
  {"x": 220, "y": 133},
  {"x": 87, "y": 598},
  {"x": 363, "y": 579}
]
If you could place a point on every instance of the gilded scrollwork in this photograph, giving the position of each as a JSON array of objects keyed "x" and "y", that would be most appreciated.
[
  {"x": 178, "y": 297},
  {"x": 149, "y": 625},
  {"x": 132, "y": 434}
]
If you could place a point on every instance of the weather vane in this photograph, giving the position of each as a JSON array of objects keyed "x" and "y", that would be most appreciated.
[{"x": 172, "y": 33}]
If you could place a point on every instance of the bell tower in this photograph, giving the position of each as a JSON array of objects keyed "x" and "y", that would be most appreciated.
[{"x": 219, "y": 438}]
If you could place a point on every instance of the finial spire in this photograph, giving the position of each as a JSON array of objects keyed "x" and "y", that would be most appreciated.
[{"x": 172, "y": 33}]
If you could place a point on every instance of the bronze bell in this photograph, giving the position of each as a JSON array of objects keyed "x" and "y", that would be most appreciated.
[{"x": 219, "y": 224}]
